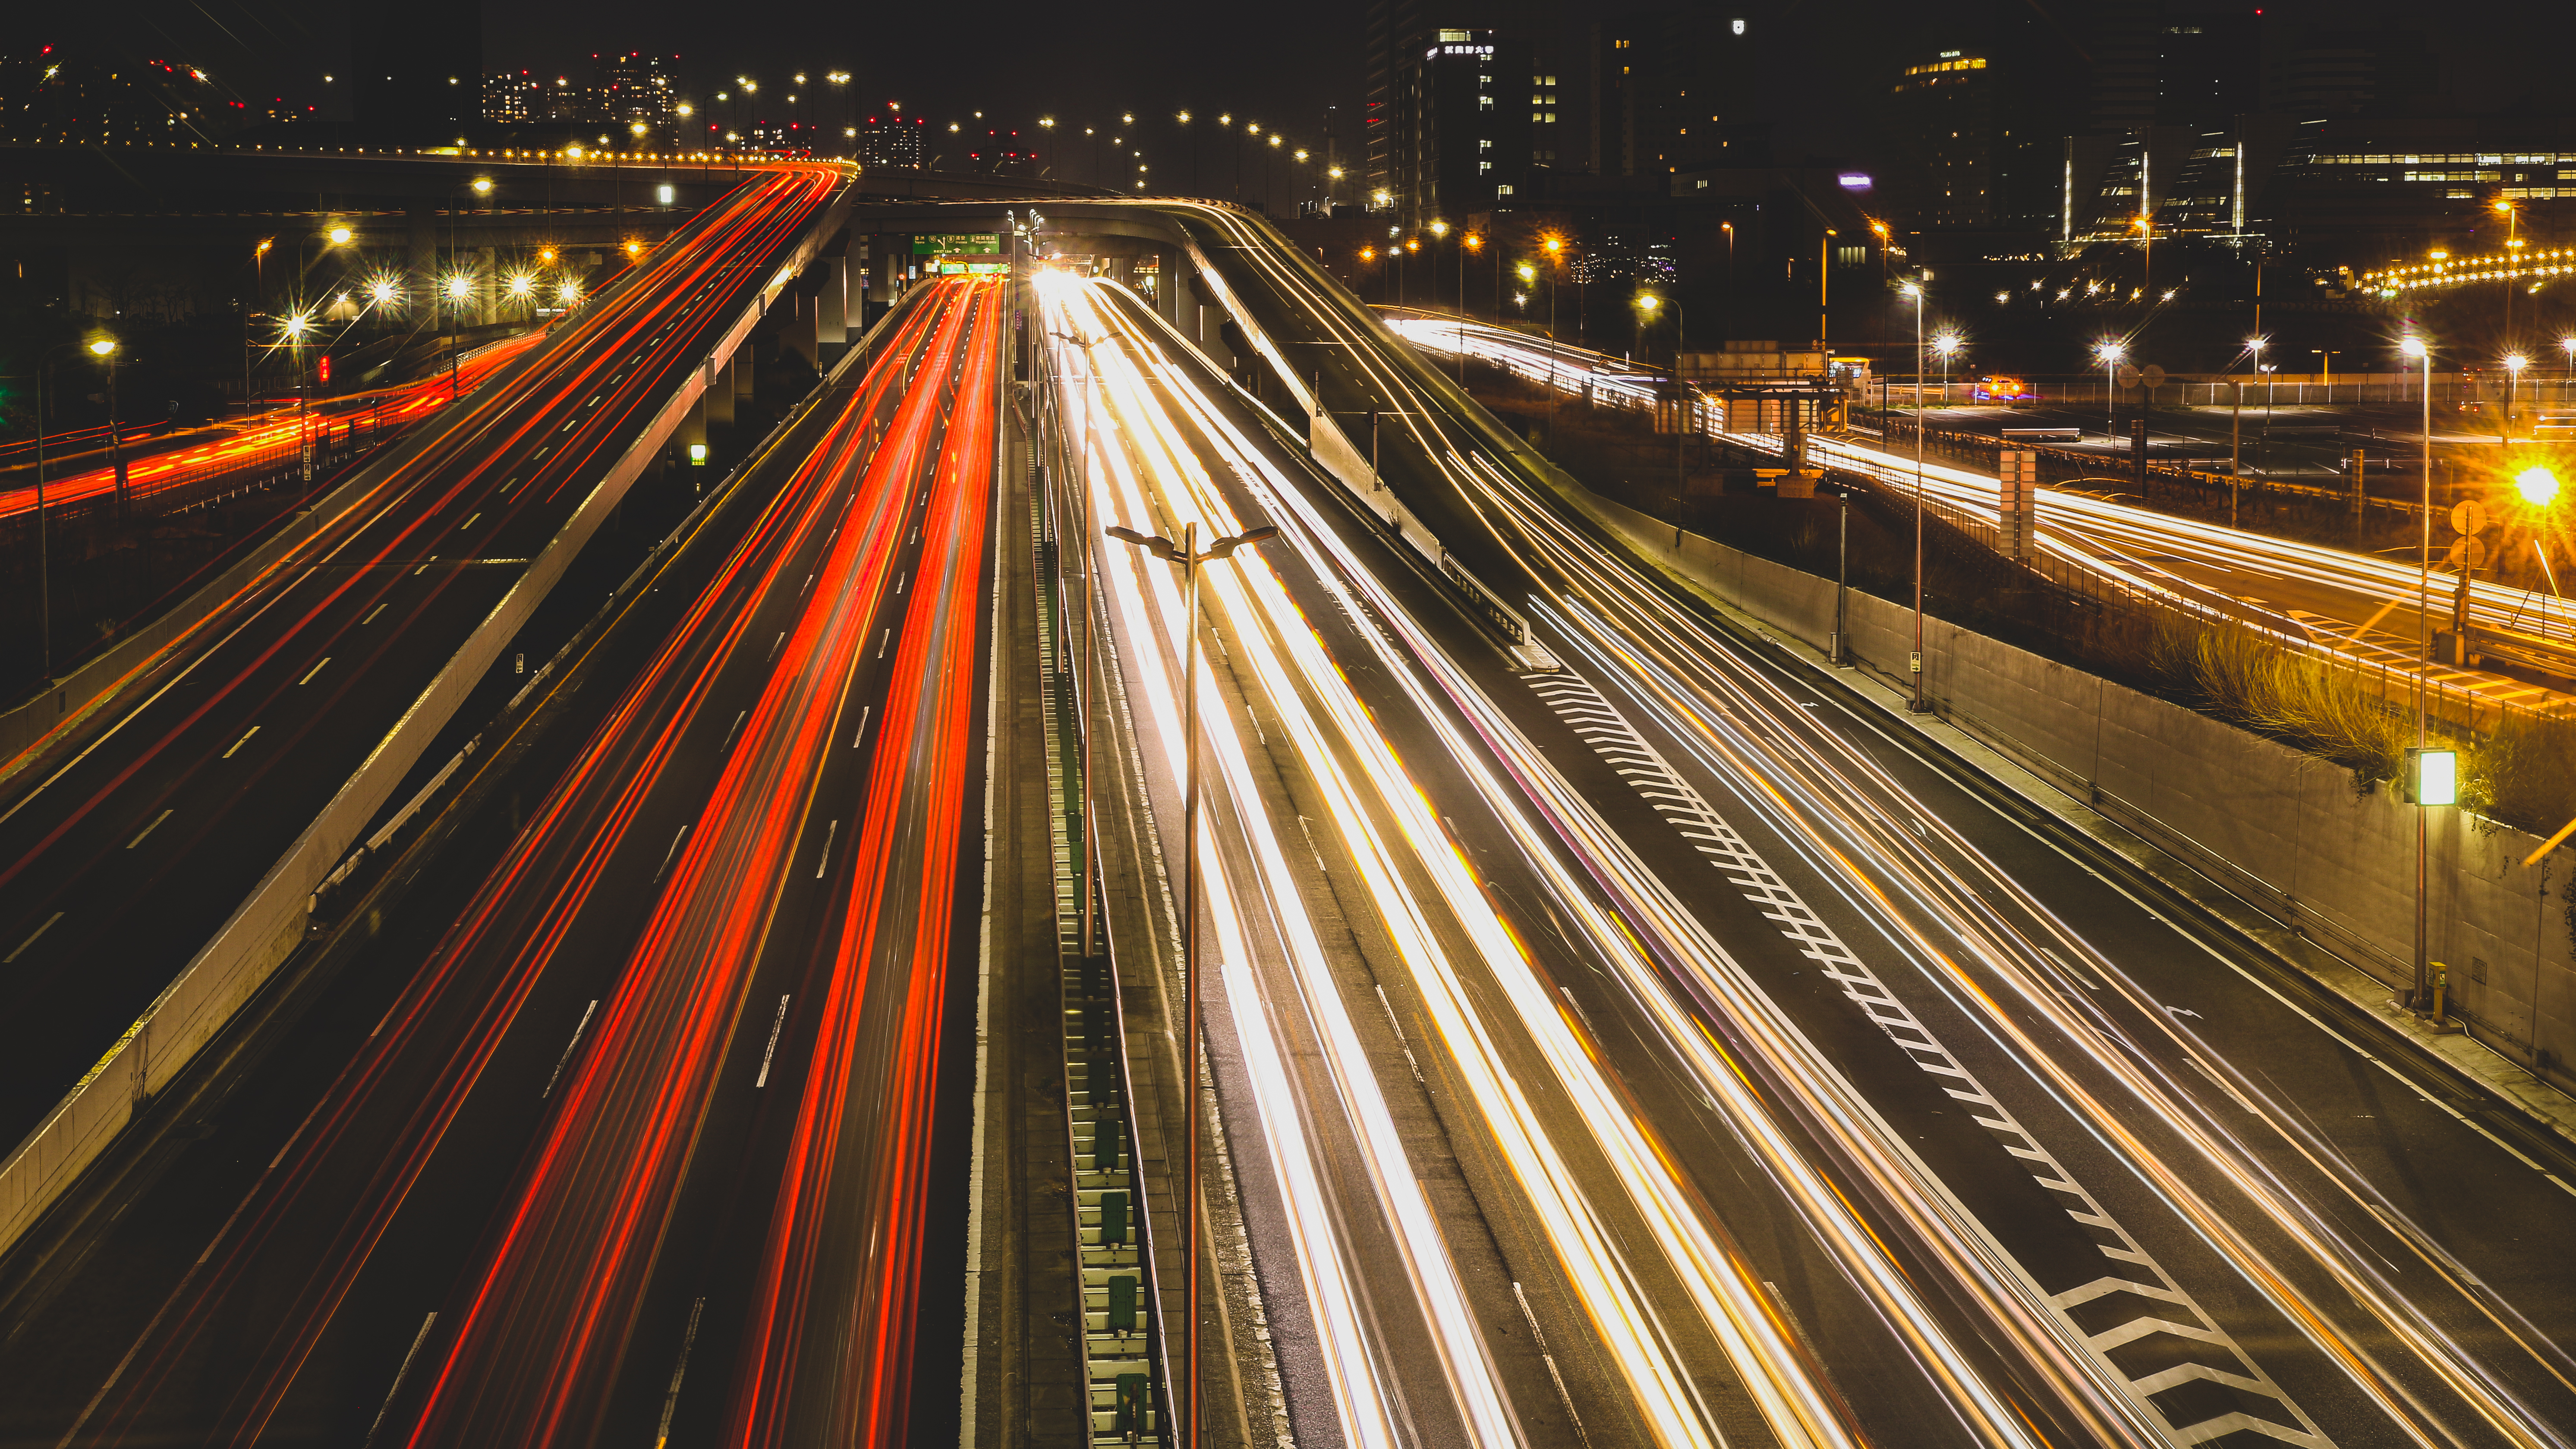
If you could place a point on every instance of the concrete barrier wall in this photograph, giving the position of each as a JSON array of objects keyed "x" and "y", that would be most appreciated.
[
  {"x": 264, "y": 930},
  {"x": 2285, "y": 831}
]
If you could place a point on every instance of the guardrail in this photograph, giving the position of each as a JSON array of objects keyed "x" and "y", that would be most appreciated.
[{"x": 264, "y": 930}]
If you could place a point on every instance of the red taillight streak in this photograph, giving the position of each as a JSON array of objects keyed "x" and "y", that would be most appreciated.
[
  {"x": 917, "y": 808},
  {"x": 566, "y": 1274}
]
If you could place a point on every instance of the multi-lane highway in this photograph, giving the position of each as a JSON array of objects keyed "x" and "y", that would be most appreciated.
[
  {"x": 2003, "y": 1149},
  {"x": 127, "y": 839},
  {"x": 2354, "y": 605},
  {"x": 634, "y": 1146}
]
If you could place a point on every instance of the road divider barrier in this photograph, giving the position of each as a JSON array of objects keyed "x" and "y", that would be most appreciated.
[{"x": 265, "y": 929}]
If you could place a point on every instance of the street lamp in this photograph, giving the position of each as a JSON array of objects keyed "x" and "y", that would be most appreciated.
[
  {"x": 2514, "y": 363},
  {"x": 1191, "y": 558},
  {"x": 1914, "y": 664},
  {"x": 458, "y": 287},
  {"x": 2109, "y": 355},
  {"x": 104, "y": 348},
  {"x": 2415, "y": 348},
  {"x": 1946, "y": 344},
  {"x": 1647, "y": 302}
]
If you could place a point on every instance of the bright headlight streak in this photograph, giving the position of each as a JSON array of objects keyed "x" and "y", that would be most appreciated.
[
  {"x": 1658, "y": 1383},
  {"x": 2347, "y": 1263},
  {"x": 1624, "y": 586},
  {"x": 1962, "y": 915},
  {"x": 1718, "y": 1283},
  {"x": 1480, "y": 1399},
  {"x": 2095, "y": 533},
  {"x": 2010, "y": 1296},
  {"x": 1319, "y": 1260}
]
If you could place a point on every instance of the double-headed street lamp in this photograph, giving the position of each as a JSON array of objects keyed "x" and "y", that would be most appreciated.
[{"x": 1191, "y": 558}]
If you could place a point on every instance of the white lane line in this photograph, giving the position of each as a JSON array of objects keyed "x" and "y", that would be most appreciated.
[
  {"x": 12, "y": 957},
  {"x": 148, "y": 829},
  {"x": 561, "y": 1061},
  {"x": 372, "y": 613},
  {"x": 735, "y": 730},
  {"x": 882, "y": 640},
  {"x": 775, "y": 1026},
  {"x": 674, "y": 850},
  {"x": 864, "y": 711},
  {"x": 424, "y": 566},
  {"x": 417, "y": 1340},
  {"x": 308, "y": 674},
  {"x": 469, "y": 523},
  {"x": 830, "y": 835},
  {"x": 237, "y": 744}
]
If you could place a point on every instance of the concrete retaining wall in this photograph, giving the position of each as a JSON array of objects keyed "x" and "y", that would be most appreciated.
[
  {"x": 2281, "y": 829},
  {"x": 264, "y": 930}
]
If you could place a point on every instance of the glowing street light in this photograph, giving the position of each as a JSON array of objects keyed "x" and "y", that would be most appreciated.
[
  {"x": 482, "y": 185},
  {"x": 339, "y": 236},
  {"x": 2537, "y": 485},
  {"x": 2109, "y": 355}
]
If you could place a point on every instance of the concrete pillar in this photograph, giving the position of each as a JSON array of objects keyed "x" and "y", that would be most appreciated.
[
  {"x": 796, "y": 326},
  {"x": 745, "y": 371},
  {"x": 832, "y": 303},
  {"x": 423, "y": 219},
  {"x": 487, "y": 285},
  {"x": 692, "y": 431},
  {"x": 717, "y": 401}
]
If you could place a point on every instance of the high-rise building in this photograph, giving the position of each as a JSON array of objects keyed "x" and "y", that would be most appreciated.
[
  {"x": 1942, "y": 114},
  {"x": 634, "y": 87},
  {"x": 1461, "y": 138},
  {"x": 892, "y": 140},
  {"x": 415, "y": 79},
  {"x": 511, "y": 99},
  {"x": 1397, "y": 35},
  {"x": 1674, "y": 89}
]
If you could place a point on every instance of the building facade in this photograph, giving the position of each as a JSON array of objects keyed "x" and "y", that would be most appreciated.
[{"x": 1461, "y": 135}]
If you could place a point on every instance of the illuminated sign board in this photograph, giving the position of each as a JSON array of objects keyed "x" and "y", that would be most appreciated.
[
  {"x": 1854, "y": 180},
  {"x": 988, "y": 243}
]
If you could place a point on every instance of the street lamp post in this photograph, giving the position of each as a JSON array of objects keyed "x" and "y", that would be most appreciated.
[
  {"x": 105, "y": 347},
  {"x": 2110, "y": 354},
  {"x": 2415, "y": 347},
  {"x": 2514, "y": 363},
  {"x": 1914, "y": 665},
  {"x": 1191, "y": 557},
  {"x": 1647, "y": 302}
]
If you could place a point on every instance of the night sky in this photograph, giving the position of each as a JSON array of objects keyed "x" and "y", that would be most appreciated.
[{"x": 1828, "y": 63}]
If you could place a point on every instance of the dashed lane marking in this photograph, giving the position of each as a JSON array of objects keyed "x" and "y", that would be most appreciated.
[{"x": 2163, "y": 1345}]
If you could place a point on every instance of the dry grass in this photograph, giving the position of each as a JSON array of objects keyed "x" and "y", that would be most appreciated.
[
  {"x": 2521, "y": 774},
  {"x": 2241, "y": 676}
]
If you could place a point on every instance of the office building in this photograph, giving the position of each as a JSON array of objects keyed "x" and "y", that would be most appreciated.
[
  {"x": 634, "y": 87},
  {"x": 512, "y": 100},
  {"x": 1461, "y": 134},
  {"x": 1397, "y": 37},
  {"x": 1674, "y": 89},
  {"x": 892, "y": 140},
  {"x": 1942, "y": 115}
]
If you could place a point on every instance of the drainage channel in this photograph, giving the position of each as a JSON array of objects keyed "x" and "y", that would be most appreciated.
[{"x": 1122, "y": 1331}]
